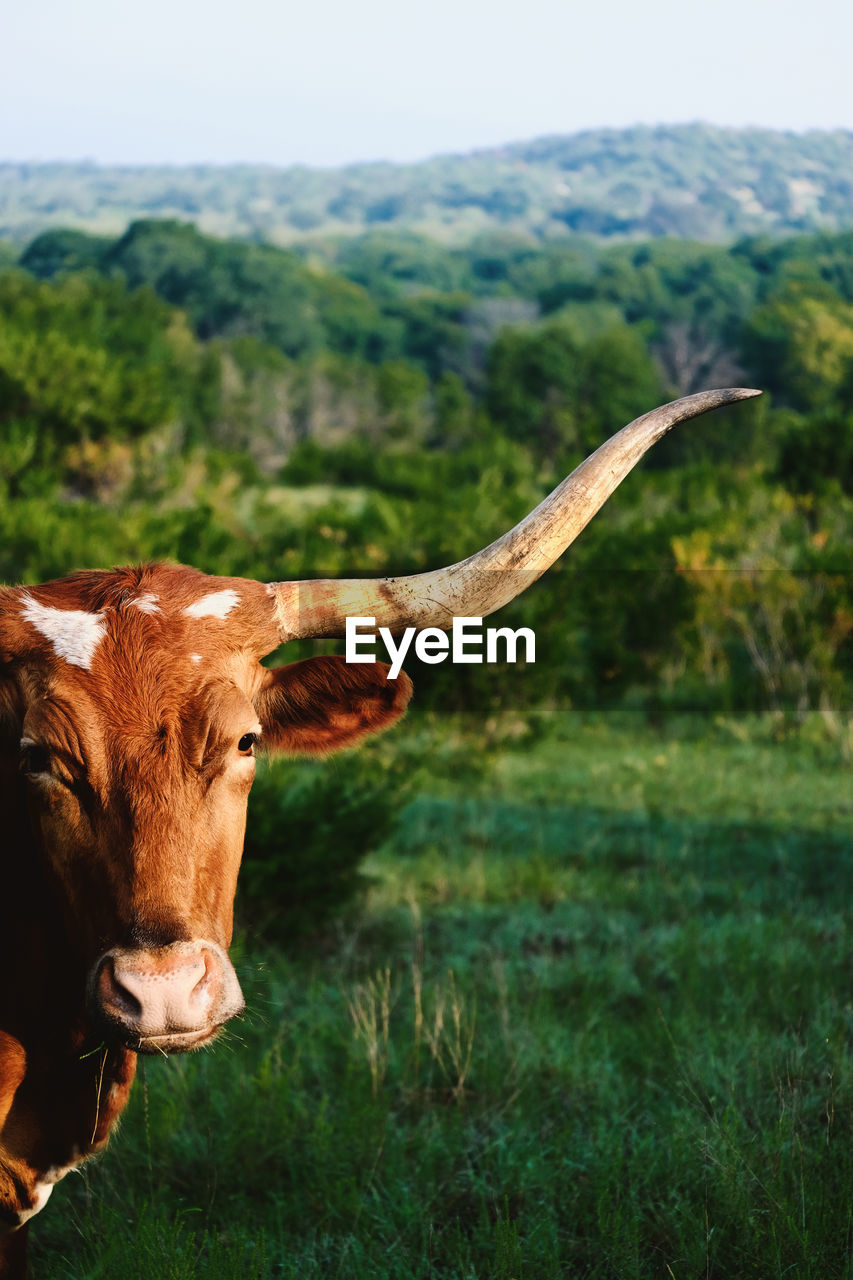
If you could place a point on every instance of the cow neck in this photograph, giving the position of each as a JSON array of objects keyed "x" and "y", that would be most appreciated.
[
  {"x": 64, "y": 1074},
  {"x": 45, "y": 976}
]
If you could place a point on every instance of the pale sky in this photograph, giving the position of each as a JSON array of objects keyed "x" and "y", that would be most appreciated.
[{"x": 326, "y": 83}]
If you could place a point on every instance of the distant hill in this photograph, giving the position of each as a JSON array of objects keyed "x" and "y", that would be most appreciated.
[{"x": 694, "y": 181}]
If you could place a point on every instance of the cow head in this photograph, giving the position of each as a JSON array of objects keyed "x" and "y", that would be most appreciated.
[{"x": 133, "y": 701}]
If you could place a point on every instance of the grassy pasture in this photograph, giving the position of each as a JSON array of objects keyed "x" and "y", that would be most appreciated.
[{"x": 593, "y": 1018}]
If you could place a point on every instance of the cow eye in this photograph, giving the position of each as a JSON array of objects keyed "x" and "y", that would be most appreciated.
[
  {"x": 247, "y": 742},
  {"x": 34, "y": 759}
]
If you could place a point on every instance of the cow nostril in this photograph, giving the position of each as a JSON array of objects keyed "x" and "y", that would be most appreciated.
[
  {"x": 114, "y": 997},
  {"x": 204, "y": 988}
]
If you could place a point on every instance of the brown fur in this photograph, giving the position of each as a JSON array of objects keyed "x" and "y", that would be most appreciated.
[{"x": 134, "y": 839}]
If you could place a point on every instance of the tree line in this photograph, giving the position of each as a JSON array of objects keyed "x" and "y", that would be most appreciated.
[{"x": 692, "y": 180}]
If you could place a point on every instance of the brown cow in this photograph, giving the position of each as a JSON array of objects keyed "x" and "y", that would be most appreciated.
[{"x": 131, "y": 703}]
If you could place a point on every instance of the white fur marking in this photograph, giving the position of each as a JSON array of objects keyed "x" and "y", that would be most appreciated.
[
  {"x": 218, "y": 604},
  {"x": 195, "y": 657},
  {"x": 147, "y": 603},
  {"x": 41, "y": 1192},
  {"x": 41, "y": 1195},
  {"x": 74, "y": 634}
]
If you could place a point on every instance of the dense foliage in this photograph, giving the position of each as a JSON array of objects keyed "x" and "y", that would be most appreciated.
[
  {"x": 312, "y": 823},
  {"x": 393, "y": 405},
  {"x": 693, "y": 180}
]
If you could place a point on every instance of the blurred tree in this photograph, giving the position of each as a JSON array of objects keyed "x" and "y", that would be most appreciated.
[
  {"x": 64, "y": 250},
  {"x": 453, "y": 412},
  {"x": 561, "y": 393},
  {"x": 800, "y": 346},
  {"x": 816, "y": 453},
  {"x": 434, "y": 330}
]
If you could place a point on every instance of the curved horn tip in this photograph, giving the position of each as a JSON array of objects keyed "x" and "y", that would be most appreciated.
[
  {"x": 717, "y": 396},
  {"x": 700, "y": 402},
  {"x": 744, "y": 393},
  {"x": 725, "y": 395}
]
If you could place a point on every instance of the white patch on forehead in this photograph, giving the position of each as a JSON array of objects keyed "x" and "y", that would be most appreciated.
[
  {"x": 218, "y": 604},
  {"x": 195, "y": 657},
  {"x": 74, "y": 634},
  {"x": 147, "y": 603}
]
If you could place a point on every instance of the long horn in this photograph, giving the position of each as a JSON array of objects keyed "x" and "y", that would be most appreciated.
[{"x": 492, "y": 577}]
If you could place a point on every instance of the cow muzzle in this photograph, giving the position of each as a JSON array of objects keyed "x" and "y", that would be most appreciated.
[{"x": 165, "y": 1000}]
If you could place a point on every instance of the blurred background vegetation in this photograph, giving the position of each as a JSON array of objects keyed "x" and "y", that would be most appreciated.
[
  {"x": 392, "y": 405},
  {"x": 640, "y": 1062},
  {"x": 697, "y": 180}
]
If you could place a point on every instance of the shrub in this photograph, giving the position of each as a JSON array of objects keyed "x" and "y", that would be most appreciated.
[{"x": 310, "y": 825}]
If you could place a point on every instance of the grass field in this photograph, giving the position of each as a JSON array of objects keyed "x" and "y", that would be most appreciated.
[{"x": 594, "y": 1018}]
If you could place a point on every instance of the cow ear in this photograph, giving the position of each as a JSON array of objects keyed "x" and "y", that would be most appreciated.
[{"x": 322, "y": 704}]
